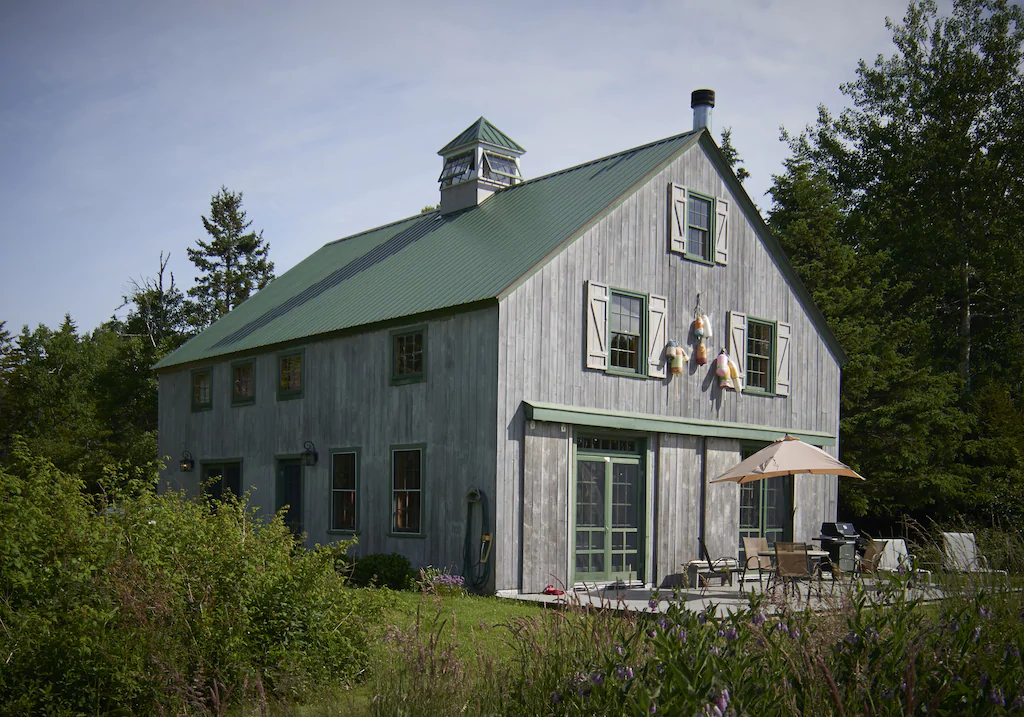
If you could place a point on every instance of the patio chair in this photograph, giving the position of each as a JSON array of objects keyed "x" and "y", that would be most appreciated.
[
  {"x": 869, "y": 562},
  {"x": 753, "y": 547},
  {"x": 897, "y": 559},
  {"x": 792, "y": 566},
  {"x": 962, "y": 554},
  {"x": 703, "y": 571}
]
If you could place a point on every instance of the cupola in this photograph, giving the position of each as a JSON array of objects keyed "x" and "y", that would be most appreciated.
[{"x": 477, "y": 163}]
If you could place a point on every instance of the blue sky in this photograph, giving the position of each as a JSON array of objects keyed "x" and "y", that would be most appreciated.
[{"x": 119, "y": 120}]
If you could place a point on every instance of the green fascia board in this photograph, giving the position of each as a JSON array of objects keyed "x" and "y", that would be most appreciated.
[
  {"x": 773, "y": 247},
  {"x": 651, "y": 423},
  {"x": 482, "y": 131},
  {"x": 429, "y": 262}
]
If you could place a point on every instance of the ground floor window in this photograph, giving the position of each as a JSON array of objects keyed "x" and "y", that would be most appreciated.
[
  {"x": 343, "y": 491},
  {"x": 406, "y": 490},
  {"x": 222, "y": 479}
]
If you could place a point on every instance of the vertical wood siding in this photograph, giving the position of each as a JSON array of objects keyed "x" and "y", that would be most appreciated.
[
  {"x": 541, "y": 357},
  {"x": 348, "y": 402}
]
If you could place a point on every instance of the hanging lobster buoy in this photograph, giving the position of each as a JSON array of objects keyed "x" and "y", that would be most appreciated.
[
  {"x": 734, "y": 376},
  {"x": 698, "y": 328},
  {"x": 708, "y": 333},
  {"x": 700, "y": 354},
  {"x": 722, "y": 369}
]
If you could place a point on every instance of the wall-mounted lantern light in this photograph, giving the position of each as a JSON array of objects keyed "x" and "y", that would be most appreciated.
[
  {"x": 186, "y": 464},
  {"x": 309, "y": 455}
]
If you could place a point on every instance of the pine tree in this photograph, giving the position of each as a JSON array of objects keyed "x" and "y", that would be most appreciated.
[
  {"x": 732, "y": 156},
  {"x": 234, "y": 262}
]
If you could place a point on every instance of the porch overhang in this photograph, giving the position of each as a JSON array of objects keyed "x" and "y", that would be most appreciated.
[{"x": 651, "y": 423}]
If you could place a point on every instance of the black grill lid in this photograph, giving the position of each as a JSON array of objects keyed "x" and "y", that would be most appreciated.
[{"x": 839, "y": 530}]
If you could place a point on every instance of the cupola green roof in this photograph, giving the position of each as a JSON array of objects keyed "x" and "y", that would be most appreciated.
[{"x": 482, "y": 131}]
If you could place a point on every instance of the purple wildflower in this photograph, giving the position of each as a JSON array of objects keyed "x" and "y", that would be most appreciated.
[
  {"x": 663, "y": 624},
  {"x": 1018, "y": 702},
  {"x": 702, "y": 618},
  {"x": 976, "y": 634},
  {"x": 621, "y": 650},
  {"x": 795, "y": 633},
  {"x": 783, "y": 627},
  {"x": 653, "y": 604},
  {"x": 652, "y": 709},
  {"x": 759, "y": 618},
  {"x": 681, "y": 634},
  {"x": 851, "y": 638},
  {"x": 597, "y": 678},
  {"x": 731, "y": 634},
  {"x": 624, "y": 672},
  {"x": 714, "y": 650},
  {"x": 556, "y": 698},
  {"x": 995, "y": 697},
  {"x": 712, "y": 711},
  {"x": 722, "y": 701},
  {"x": 985, "y": 612}
]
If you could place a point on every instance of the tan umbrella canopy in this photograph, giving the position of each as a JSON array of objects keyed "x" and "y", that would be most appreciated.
[{"x": 786, "y": 456}]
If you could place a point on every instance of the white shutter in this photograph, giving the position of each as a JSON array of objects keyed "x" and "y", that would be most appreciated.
[
  {"x": 677, "y": 218},
  {"x": 782, "y": 359},
  {"x": 722, "y": 232},
  {"x": 738, "y": 341},
  {"x": 597, "y": 325},
  {"x": 657, "y": 314}
]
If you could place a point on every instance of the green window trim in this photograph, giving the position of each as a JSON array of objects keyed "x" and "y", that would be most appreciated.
[
  {"x": 407, "y": 504},
  {"x": 708, "y": 256},
  {"x": 768, "y": 357},
  {"x": 283, "y": 393},
  {"x": 239, "y": 397},
  {"x": 229, "y": 475},
  {"x": 200, "y": 394},
  {"x": 404, "y": 339},
  {"x": 342, "y": 493},
  {"x": 615, "y": 319}
]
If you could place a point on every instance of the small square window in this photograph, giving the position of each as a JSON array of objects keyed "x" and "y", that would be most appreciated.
[
  {"x": 290, "y": 379},
  {"x": 222, "y": 479},
  {"x": 243, "y": 386},
  {"x": 202, "y": 390},
  {"x": 408, "y": 355}
]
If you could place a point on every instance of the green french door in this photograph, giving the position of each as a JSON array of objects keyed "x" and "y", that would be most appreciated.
[
  {"x": 766, "y": 510},
  {"x": 608, "y": 518}
]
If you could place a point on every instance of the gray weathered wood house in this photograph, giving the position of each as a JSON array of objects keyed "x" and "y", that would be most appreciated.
[{"x": 512, "y": 345}]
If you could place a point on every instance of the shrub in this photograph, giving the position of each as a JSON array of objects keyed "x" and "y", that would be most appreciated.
[
  {"x": 162, "y": 604},
  {"x": 392, "y": 571}
]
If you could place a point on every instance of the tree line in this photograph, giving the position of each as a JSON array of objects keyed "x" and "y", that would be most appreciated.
[
  {"x": 87, "y": 401},
  {"x": 903, "y": 215}
]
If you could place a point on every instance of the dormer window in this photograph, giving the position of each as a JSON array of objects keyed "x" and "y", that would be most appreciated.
[
  {"x": 457, "y": 169},
  {"x": 500, "y": 170}
]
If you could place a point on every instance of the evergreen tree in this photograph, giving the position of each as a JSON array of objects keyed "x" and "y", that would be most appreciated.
[
  {"x": 233, "y": 263},
  {"x": 732, "y": 156}
]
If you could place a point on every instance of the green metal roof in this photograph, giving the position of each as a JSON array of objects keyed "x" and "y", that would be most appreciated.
[
  {"x": 432, "y": 262},
  {"x": 482, "y": 131}
]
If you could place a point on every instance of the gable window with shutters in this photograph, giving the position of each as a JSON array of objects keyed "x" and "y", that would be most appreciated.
[
  {"x": 698, "y": 226},
  {"x": 625, "y": 331},
  {"x": 761, "y": 350}
]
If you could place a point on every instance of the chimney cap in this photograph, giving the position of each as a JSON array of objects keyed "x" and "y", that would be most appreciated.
[{"x": 702, "y": 97}]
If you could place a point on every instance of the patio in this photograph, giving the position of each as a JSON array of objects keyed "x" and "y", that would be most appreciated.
[{"x": 727, "y": 598}]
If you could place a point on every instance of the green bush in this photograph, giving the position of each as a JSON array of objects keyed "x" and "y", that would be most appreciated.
[
  {"x": 382, "y": 570},
  {"x": 159, "y": 604}
]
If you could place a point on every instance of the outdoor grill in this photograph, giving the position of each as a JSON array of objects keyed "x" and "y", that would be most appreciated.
[{"x": 840, "y": 541}]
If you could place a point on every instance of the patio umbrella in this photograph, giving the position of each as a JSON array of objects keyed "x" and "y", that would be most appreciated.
[{"x": 786, "y": 456}]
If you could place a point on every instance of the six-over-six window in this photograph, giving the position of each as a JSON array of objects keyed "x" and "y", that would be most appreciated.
[{"x": 406, "y": 490}]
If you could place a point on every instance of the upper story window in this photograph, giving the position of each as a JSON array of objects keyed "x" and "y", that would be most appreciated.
[
  {"x": 408, "y": 355},
  {"x": 760, "y": 355},
  {"x": 243, "y": 386},
  {"x": 202, "y": 390},
  {"x": 698, "y": 226},
  {"x": 290, "y": 375},
  {"x": 625, "y": 331},
  {"x": 761, "y": 349},
  {"x": 698, "y": 237}
]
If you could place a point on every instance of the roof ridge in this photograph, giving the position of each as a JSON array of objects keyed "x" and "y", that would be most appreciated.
[
  {"x": 382, "y": 226},
  {"x": 600, "y": 159}
]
